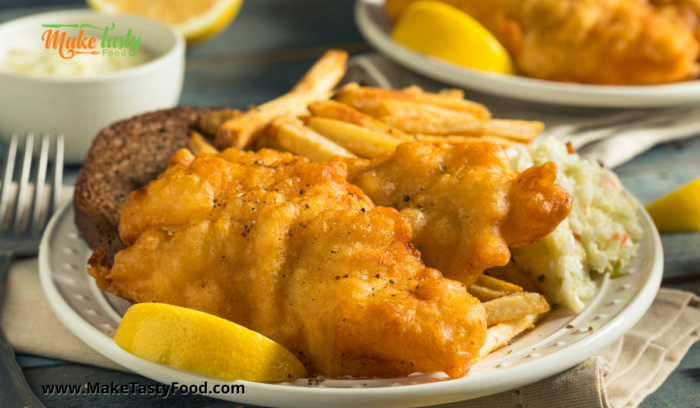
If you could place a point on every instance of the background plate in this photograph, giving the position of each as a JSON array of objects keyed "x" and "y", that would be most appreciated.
[
  {"x": 92, "y": 315},
  {"x": 375, "y": 26}
]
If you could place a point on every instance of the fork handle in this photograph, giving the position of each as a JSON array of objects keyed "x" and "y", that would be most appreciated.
[{"x": 14, "y": 390}]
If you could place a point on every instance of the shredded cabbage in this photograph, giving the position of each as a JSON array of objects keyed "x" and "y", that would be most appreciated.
[{"x": 600, "y": 234}]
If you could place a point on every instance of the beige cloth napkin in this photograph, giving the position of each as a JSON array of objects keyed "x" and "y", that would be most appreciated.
[
  {"x": 30, "y": 325},
  {"x": 620, "y": 376},
  {"x": 28, "y": 322}
]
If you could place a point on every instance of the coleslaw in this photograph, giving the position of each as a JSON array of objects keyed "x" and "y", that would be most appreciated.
[{"x": 600, "y": 235}]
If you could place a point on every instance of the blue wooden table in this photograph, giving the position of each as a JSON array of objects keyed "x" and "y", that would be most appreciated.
[{"x": 270, "y": 45}]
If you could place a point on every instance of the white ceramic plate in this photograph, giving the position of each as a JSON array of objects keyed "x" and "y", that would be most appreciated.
[
  {"x": 375, "y": 26},
  {"x": 550, "y": 348}
]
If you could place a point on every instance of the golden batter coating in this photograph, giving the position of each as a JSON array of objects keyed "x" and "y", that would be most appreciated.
[
  {"x": 465, "y": 204},
  {"x": 603, "y": 42},
  {"x": 289, "y": 249}
]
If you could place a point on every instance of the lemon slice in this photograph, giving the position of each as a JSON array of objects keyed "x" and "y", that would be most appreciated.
[
  {"x": 679, "y": 210},
  {"x": 203, "y": 343},
  {"x": 438, "y": 29},
  {"x": 196, "y": 20}
]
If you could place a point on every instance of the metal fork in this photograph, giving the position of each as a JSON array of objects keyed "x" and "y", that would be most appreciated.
[{"x": 20, "y": 237}]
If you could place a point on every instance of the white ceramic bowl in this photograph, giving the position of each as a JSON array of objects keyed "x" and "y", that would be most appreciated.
[{"x": 80, "y": 106}]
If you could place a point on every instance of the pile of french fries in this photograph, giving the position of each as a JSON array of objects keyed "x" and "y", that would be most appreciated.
[
  {"x": 318, "y": 123},
  {"x": 314, "y": 121},
  {"x": 513, "y": 304}
]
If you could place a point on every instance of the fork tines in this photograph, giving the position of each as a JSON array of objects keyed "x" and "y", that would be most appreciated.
[{"x": 25, "y": 216}]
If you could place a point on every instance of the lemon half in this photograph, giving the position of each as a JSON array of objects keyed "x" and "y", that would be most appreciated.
[
  {"x": 203, "y": 343},
  {"x": 678, "y": 211},
  {"x": 438, "y": 29},
  {"x": 196, "y": 20}
]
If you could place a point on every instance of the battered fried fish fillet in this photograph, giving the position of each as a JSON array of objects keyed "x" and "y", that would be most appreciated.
[
  {"x": 683, "y": 12},
  {"x": 465, "y": 204},
  {"x": 289, "y": 249},
  {"x": 607, "y": 42}
]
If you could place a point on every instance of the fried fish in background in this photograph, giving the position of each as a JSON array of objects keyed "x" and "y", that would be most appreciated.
[
  {"x": 465, "y": 204},
  {"x": 683, "y": 12},
  {"x": 289, "y": 249},
  {"x": 605, "y": 42}
]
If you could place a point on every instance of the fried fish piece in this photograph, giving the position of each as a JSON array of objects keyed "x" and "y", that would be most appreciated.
[
  {"x": 686, "y": 13},
  {"x": 604, "y": 42},
  {"x": 289, "y": 249},
  {"x": 465, "y": 204}
]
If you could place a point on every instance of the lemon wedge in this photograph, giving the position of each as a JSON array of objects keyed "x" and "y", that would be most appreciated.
[
  {"x": 438, "y": 29},
  {"x": 203, "y": 343},
  {"x": 679, "y": 210},
  {"x": 196, "y": 20}
]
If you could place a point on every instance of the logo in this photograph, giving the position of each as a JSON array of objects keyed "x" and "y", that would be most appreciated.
[{"x": 68, "y": 47}]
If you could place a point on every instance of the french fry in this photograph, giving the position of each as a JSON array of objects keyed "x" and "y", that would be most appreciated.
[
  {"x": 511, "y": 273},
  {"x": 449, "y": 92},
  {"x": 331, "y": 109},
  {"x": 514, "y": 307},
  {"x": 410, "y": 109},
  {"x": 292, "y": 135},
  {"x": 432, "y": 114},
  {"x": 497, "y": 284},
  {"x": 452, "y": 93},
  {"x": 518, "y": 130},
  {"x": 487, "y": 288},
  {"x": 443, "y": 94},
  {"x": 350, "y": 86},
  {"x": 359, "y": 140},
  {"x": 325, "y": 74},
  {"x": 449, "y": 101},
  {"x": 500, "y": 334},
  {"x": 198, "y": 144},
  {"x": 182, "y": 156},
  {"x": 238, "y": 132},
  {"x": 413, "y": 89},
  {"x": 212, "y": 121},
  {"x": 485, "y": 294},
  {"x": 452, "y": 140},
  {"x": 315, "y": 85},
  {"x": 367, "y": 100}
]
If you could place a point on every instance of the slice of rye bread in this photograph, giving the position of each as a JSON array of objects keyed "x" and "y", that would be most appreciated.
[{"x": 124, "y": 157}]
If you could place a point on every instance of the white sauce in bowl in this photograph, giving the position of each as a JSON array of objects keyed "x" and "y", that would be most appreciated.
[{"x": 48, "y": 62}]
